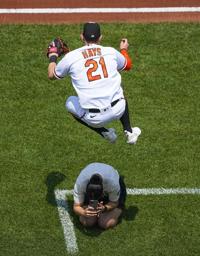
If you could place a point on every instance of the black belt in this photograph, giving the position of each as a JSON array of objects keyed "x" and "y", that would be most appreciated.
[{"x": 96, "y": 110}]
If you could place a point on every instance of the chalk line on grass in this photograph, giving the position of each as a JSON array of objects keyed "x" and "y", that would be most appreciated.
[
  {"x": 68, "y": 228},
  {"x": 162, "y": 191},
  {"x": 98, "y": 10},
  {"x": 151, "y": 191}
]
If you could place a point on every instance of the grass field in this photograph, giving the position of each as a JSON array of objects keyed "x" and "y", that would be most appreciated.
[{"x": 43, "y": 148}]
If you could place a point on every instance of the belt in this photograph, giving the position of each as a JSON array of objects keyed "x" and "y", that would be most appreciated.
[{"x": 96, "y": 110}]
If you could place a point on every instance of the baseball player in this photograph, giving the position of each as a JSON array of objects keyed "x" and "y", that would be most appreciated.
[
  {"x": 94, "y": 72},
  {"x": 99, "y": 196}
]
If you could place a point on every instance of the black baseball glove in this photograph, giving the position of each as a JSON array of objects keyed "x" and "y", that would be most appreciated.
[{"x": 57, "y": 46}]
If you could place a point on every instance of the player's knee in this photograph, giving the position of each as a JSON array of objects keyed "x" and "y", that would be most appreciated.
[
  {"x": 73, "y": 106},
  {"x": 106, "y": 224},
  {"x": 88, "y": 222},
  {"x": 71, "y": 103}
]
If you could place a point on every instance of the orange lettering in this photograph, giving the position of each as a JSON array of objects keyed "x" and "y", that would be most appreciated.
[
  {"x": 98, "y": 51},
  {"x": 92, "y": 69},
  {"x": 85, "y": 54},
  {"x": 94, "y": 51},
  {"x": 92, "y": 66},
  {"x": 90, "y": 53}
]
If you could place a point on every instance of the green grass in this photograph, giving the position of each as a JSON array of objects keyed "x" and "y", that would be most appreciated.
[{"x": 38, "y": 138}]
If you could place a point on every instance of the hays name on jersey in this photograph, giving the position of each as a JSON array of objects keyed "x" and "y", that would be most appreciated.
[{"x": 92, "y": 52}]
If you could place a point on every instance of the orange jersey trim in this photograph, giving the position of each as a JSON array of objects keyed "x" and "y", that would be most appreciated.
[{"x": 128, "y": 64}]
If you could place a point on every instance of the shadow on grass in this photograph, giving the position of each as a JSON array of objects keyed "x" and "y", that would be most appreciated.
[
  {"x": 130, "y": 213},
  {"x": 52, "y": 180}
]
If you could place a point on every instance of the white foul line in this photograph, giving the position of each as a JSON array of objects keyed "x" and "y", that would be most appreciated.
[
  {"x": 152, "y": 191},
  {"x": 97, "y": 10},
  {"x": 162, "y": 191},
  {"x": 68, "y": 229}
]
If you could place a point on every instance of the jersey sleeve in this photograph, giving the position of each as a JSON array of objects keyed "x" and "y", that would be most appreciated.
[
  {"x": 114, "y": 193},
  {"x": 78, "y": 195},
  {"x": 62, "y": 68},
  {"x": 128, "y": 65},
  {"x": 124, "y": 61}
]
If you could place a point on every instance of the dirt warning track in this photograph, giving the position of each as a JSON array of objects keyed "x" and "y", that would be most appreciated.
[{"x": 62, "y": 11}]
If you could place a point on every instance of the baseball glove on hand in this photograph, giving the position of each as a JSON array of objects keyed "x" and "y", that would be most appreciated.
[{"x": 57, "y": 46}]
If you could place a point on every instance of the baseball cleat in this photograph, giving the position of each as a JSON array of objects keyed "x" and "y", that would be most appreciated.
[
  {"x": 111, "y": 136},
  {"x": 132, "y": 137}
]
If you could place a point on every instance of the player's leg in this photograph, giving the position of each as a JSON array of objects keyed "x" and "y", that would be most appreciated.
[
  {"x": 73, "y": 106},
  {"x": 100, "y": 130},
  {"x": 121, "y": 112},
  {"x": 125, "y": 120},
  {"x": 132, "y": 134},
  {"x": 88, "y": 221},
  {"x": 109, "y": 219}
]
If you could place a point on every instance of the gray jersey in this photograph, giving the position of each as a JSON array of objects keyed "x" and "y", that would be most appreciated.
[{"x": 110, "y": 178}]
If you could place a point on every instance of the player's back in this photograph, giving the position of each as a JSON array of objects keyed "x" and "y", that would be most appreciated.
[{"x": 94, "y": 73}]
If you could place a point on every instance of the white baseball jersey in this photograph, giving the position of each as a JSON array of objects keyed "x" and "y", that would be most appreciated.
[
  {"x": 94, "y": 73},
  {"x": 110, "y": 178}
]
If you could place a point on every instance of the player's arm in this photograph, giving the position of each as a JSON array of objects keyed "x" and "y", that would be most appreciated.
[
  {"x": 113, "y": 196},
  {"x": 52, "y": 65},
  {"x": 55, "y": 49},
  {"x": 78, "y": 195},
  {"x": 108, "y": 206},
  {"x": 124, "y": 51},
  {"x": 79, "y": 209},
  {"x": 57, "y": 70}
]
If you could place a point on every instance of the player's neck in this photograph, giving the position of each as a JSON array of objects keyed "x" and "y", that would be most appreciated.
[{"x": 91, "y": 43}]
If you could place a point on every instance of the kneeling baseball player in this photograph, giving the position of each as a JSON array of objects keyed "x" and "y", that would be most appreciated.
[{"x": 94, "y": 72}]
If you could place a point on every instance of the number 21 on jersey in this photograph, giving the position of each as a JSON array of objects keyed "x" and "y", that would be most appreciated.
[{"x": 94, "y": 65}]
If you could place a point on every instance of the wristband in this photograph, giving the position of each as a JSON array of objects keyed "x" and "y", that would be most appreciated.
[
  {"x": 128, "y": 64},
  {"x": 124, "y": 49},
  {"x": 53, "y": 58}
]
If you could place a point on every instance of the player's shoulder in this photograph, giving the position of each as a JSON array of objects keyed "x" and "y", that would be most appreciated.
[
  {"x": 72, "y": 53},
  {"x": 98, "y": 164},
  {"x": 109, "y": 49}
]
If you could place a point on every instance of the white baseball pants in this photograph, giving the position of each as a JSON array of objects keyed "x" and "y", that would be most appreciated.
[{"x": 96, "y": 120}]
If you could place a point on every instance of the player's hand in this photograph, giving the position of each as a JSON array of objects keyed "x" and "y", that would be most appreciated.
[
  {"x": 57, "y": 47},
  {"x": 100, "y": 208},
  {"x": 124, "y": 44},
  {"x": 91, "y": 212}
]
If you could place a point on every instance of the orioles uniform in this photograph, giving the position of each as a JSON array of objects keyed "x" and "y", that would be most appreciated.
[{"x": 95, "y": 76}]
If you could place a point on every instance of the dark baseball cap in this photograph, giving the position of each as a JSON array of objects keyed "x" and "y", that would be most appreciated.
[{"x": 91, "y": 31}]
